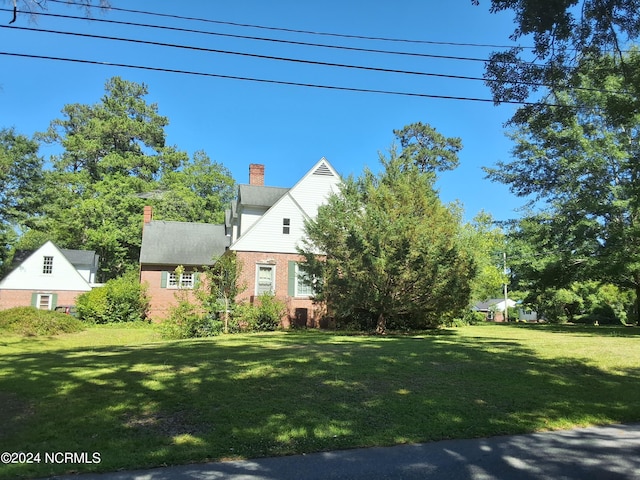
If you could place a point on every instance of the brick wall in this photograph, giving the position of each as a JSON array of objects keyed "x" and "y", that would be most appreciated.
[
  {"x": 162, "y": 299},
  {"x": 22, "y": 298},
  {"x": 249, "y": 262}
]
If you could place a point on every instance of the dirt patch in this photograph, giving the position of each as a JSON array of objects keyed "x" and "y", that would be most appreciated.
[
  {"x": 165, "y": 423},
  {"x": 14, "y": 413}
]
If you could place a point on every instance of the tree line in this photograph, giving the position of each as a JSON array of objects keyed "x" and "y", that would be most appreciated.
[{"x": 393, "y": 250}]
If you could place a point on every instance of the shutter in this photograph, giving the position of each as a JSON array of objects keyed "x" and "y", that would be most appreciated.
[
  {"x": 291, "y": 290},
  {"x": 54, "y": 301},
  {"x": 34, "y": 300},
  {"x": 196, "y": 279},
  {"x": 163, "y": 280}
]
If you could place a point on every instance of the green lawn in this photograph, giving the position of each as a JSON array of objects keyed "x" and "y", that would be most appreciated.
[{"x": 141, "y": 402}]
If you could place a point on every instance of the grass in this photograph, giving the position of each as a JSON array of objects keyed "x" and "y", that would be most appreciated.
[{"x": 142, "y": 402}]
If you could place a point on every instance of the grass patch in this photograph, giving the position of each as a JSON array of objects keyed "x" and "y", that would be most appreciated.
[{"x": 141, "y": 402}]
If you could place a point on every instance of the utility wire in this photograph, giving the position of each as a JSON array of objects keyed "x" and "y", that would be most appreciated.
[
  {"x": 261, "y": 80},
  {"x": 267, "y": 57},
  {"x": 295, "y": 60},
  {"x": 292, "y": 30},
  {"x": 263, "y": 39}
]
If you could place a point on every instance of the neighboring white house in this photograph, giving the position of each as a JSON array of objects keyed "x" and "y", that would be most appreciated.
[
  {"x": 493, "y": 309},
  {"x": 48, "y": 276}
]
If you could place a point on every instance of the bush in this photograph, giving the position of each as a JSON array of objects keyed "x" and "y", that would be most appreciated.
[
  {"x": 122, "y": 299},
  {"x": 186, "y": 320},
  {"x": 30, "y": 321},
  {"x": 263, "y": 316}
]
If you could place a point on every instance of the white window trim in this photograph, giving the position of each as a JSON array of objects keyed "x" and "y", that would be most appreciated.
[
  {"x": 185, "y": 282},
  {"x": 273, "y": 276},
  {"x": 49, "y": 303},
  {"x": 47, "y": 264},
  {"x": 297, "y": 294}
]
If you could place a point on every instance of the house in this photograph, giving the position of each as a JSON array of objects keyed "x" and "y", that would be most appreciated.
[
  {"x": 48, "y": 276},
  {"x": 493, "y": 308},
  {"x": 264, "y": 226},
  {"x": 168, "y": 245}
]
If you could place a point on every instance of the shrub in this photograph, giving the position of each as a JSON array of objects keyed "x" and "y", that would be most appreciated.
[
  {"x": 184, "y": 321},
  {"x": 122, "y": 299},
  {"x": 30, "y": 321},
  {"x": 263, "y": 316}
]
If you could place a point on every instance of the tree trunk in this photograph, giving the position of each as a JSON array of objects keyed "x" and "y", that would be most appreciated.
[
  {"x": 381, "y": 326},
  {"x": 637, "y": 322},
  {"x": 226, "y": 315}
]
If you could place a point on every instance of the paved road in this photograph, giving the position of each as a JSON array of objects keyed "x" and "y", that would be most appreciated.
[{"x": 598, "y": 453}]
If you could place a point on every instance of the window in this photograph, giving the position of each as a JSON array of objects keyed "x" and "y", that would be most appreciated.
[
  {"x": 304, "y": 287},
  {"x": 184, "y": 280},
  {"x": 44, "y": 302},
  {"x": 286, "y": 226},
  {"x": 47, "y": 265},
  {"x": 265, "y": 279}
]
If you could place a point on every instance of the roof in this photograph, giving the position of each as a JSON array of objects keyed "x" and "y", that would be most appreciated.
[
  {"x": 260, "y": 196},
  {"x": 80, "y": 257},
  {"x": 491, "y": 302},
  {"x": 75, "y": 257},
  {"x": 182, "y": 243}
]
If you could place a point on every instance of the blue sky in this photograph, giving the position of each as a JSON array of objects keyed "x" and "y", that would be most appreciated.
[{"x": 286, "y": 128}]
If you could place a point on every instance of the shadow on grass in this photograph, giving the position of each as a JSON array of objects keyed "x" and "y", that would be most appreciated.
[
  {"x": 264, "y": 395},
  {"x": 580, "y": 329}
]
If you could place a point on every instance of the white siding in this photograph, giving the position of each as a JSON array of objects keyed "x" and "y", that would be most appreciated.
[
  {"x": 314, "y": 191},
  {"x": 248, "y": 216},
  {"x": 300, "y": 203},
  {"x": 266, "y": 235},
  {"x": 29, "y": 274}
]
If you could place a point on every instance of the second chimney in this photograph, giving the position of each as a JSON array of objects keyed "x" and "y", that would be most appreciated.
[
  {"x": 148, "y": 214},
  {"x": 256, "y": 174}
]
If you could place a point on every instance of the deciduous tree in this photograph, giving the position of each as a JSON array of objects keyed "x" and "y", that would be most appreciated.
[
  {"x": 563, "y": 34},
  {"x": 582, "y": 159}
]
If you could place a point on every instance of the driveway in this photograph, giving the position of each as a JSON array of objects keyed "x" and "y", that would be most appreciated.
[{"x": 598, "y": 453}]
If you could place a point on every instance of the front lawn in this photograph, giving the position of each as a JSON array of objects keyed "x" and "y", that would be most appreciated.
[{"x": 142, "y": 402}]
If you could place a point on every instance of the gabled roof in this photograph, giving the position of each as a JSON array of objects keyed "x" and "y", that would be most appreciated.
[
  {"x": 74, "y": 257},
  {"x": 182, "y": 243},
  {"x": 489, "y": 303},
  {"x": 65, "y": 268},
  {"x": 298, "y": 202}
]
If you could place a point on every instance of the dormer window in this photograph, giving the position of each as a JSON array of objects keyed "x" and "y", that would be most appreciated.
[
  {"x": 286, "y": 226},
  {"x": 47, "y": 265}
]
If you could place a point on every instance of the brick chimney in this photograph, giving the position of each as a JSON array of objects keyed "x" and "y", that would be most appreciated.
[
  {"x": 148, "y": 213},
  {"x": 256, "y": 174}
]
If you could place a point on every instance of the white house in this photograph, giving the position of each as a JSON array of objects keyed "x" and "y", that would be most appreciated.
[
  {"x": 48, "y": 276},
  {"x": 493, "y": 308}
]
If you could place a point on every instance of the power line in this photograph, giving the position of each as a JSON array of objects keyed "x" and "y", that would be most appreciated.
[
  {"x": 293, "y": 60},
  {"x": 261, "y": 80},
  {"x": 266, "y": 57},
  {"x": 263, "y": 39},
  {"x": 306, "y": 32}
]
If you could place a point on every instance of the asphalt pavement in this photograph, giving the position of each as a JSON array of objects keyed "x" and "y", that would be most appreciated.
[{"x": 598, "y": 453}]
